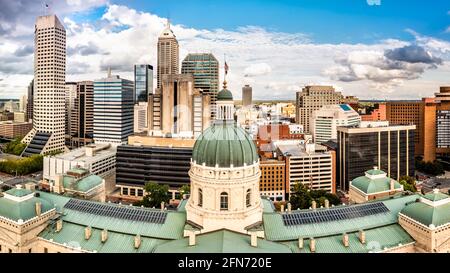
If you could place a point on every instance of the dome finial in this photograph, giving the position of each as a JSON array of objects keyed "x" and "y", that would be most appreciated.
[{"x": 225, "y": 84}]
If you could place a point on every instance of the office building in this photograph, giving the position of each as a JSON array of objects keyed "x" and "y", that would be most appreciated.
[
  {"x": 143, "y": 82},
  {"x": 312, "y": 98},
  {"x": 309, "y": 164},
  {"x": 205, "y": 69},
  {"x": 168, "y": 54},
  {"x": 140, "y": 117},
  {"x": 272, "y": 182},
  {"x": 114, "y": 110},
  {"x": 70, "y": 96},
  {"x": 20, "y": 117},
  {"x": 247, "y": 96},
  {"x": 23, "y": 104},
  {"x": 378, "y": 114},
  {"x": 48, "y": 133},
  {"x": 389, "y": 148},
  {"x": 179, "y": 110},
  {"x": 30, "y": 97},
  {"x": 324, "y": 122},
  {"x": 82, "y": 115},
  {"x": 98, "y": 159},
  {"x": 12, "y": 129}
]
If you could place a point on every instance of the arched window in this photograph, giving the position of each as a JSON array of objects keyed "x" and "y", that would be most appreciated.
[
  {"x": 224, "y": 201},
  {"x": 248, "y": 198},
  {"x": 200, "y": 198}
]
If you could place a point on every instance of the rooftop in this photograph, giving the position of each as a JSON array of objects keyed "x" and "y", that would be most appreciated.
[
  {"x": 80, "y": 154},
  {"x": 374, "y": 181},
  {"x": 432, "y": 209}
]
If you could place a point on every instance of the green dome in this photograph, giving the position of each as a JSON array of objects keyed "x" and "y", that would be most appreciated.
[
  {"x": 370, "y": 185},
  {"x": 225, "y": 94},
  {"x": 427, "y": 214},
  {"x": 24, "y": 210},
  {"x": 224, "y": 144}
]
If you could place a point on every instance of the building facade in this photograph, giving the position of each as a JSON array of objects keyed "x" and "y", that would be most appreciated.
[
  {"x": 168, "y": 54},
  {"x": 324, "y": 122},
  {"x": 390, "y": 148},
  {"x": 48, "y": 133},
  {"x": 205, "y": 69},
  {"x": 13, "y": 129},
  {"x": 114, "y": 110},
  {"x": 272, "y": 182},
  {"x": 143, "y": 82},
  {"x": 312, "y": 98},
  {"x": 140, "y": 117},
  {"x": 247, "y": 96},
  {"x": 30, "y": 97},
  {"x": 82, "y": 116},
  {"x": 70, "y": 96}
]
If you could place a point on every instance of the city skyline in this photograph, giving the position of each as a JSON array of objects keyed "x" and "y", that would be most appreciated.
[{"x": 409, "y": 61}]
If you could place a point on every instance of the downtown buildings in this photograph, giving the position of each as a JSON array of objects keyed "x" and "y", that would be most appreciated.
[
  {"x": 168, "y": 54},
  {"x": 48, "y": 133}
]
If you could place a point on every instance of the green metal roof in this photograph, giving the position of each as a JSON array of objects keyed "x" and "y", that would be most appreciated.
[
  {"x": 376, "y": 240},
  {"x": 375, "y": 172},
  {"x": 224, "y": 94},
  {"x": 83, "y": 185},
  {"x": 73, "y": 235},
  {"x": 224, "y": 144},
  {"x": 268, "y": 205},
  {"x": 79, "y": 171},
  {"x": 371, "y": 186},
  {"x": 18, "y": 192},
  {"x": 427, "y": 215},
  {"x": 24, "y": 210},
  {"x": 436, "y": 196},
  {"x": 275, "y": 230},
  {"x": 171, "y": 229},
  {"x": 222, "y": 241}
]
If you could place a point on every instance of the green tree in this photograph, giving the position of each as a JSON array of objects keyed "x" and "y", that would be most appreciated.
[
  {"x": 301, "y": 197},
  {"x": 22, "y": 166},
  {"x": 185, "y": 189},
  {"x": 155, "y": 195},
  {"x": 14, "y": 147},
  {"x": 432, "y": 168},
  {"x": 409, "y": 183}
]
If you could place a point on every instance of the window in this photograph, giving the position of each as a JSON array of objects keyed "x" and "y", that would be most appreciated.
[
  {"x": 124, "y": 191},
  {"x": 200, "y": 198},
  {"x": 132, "y": 192},
  {"x": 140, "y": 192},
  {"x": 248, "y": 198},
  {"x": 45, "y": 250},
  {"x": 224, "y": 201},
  {"x": 9, "y": 250},
  {"x": 29, "y": 250}
]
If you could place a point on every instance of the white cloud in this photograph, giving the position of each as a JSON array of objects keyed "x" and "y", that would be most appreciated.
[{"x": 259, "y": 69}]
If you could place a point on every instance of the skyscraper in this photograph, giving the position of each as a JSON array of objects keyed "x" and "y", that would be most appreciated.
[
  {"x": 312, "y": 98},
  {"x": 71, "y": 94},
  {"x": 30, "y": 96},
  {"x": 113, "y": 111},
  {"x": 168, "y": 54},
  {"x": 143, "y": 82},
  {"x": 82, "y": 116},
  {"x": 48, "y": 130},
  {"x": 247, "y": 95},
  {"x": 205, "y": 68}
]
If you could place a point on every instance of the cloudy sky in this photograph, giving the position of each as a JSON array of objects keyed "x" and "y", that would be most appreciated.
[{"x": 398, "y": 49}]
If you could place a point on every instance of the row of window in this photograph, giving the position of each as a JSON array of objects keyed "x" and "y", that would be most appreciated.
[{"x": 224, "y": 201}]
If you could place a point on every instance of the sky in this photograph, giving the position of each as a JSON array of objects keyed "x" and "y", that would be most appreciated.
[{"x": 373, "y": 49}]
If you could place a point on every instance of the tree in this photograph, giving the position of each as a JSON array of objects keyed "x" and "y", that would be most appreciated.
[
  {"x": 301, "y": 197},
  {"x": 155, "y": 195},
  {"x": 185, "y": 189},
  {"x": 409, "y": 183},
  {"x": 14, "y": 147},
  {"x": 432, "y": 168}
]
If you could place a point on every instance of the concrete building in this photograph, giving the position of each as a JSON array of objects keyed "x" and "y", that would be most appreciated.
[
  {"x": 324, "y": 122},
  {"x": 247, "y": 91},
  {"x": 114, "y": 110},
  {"x": 272, "y": 182},
  {"x": 82, "y": 115},
  {"x": 20, "y": 117},
  {"x": 48, "y": 133},
  {"x": 309, "y": 164},
  {"x": 30, "y": 98},
  {"x": 390, "y": 148},
  {"x": 178, "y": 109},
  {"x": 143, "y": 82},
  {"x": 168, "y": 54},
  {"x": 205, "y": 69},
  {"x": 99, "y": 159},
  {"x": 375, "y": 184},
  {"x": 23, "y": 104},
  {"x": 379, "y": 113},
  {"x": 13, "y": 129},
  {"x": 312, "y": 98},
  {"x": 70, "y": 96},
  {"x": 140, "y": 117}
]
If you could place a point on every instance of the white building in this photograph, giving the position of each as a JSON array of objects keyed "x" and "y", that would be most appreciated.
[
  {"x": 140, "y": 117},
  {"x": 324, "y": 122},
  {"x": 309, "y": 164},
  {"x": 99, "y": 159},
  {"x": 49, "y": 87}
]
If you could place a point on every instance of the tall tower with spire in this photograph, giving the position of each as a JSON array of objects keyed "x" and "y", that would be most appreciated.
[{"x": 168, "y": 54}]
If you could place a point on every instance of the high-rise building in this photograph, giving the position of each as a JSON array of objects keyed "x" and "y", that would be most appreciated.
[
  {"x": 272, "y": 182},
  {"x": 140, "y": 117},
  {"x": 205, "y": 69},
  {"x": 389, "y": 148},
  {"x": 177, "y": 109},
  {"x": 30, "y": 95},
  {"x": 23, "y": 103},
  {"x": 168, "y": 54},
  {"x": 324, "y": 122},
  {"x": 312, "y": 98},
  {"x": 247, "y": 95},
  {"x": 70, "y": 96},
  {"x": 113, "y": 111},
  {"x": 82, "y": 115},
  {"x": 48, "y": 133},
  {"x": 143, "y": 82}
]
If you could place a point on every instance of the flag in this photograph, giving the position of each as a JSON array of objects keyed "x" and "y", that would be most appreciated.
[
  {"x": 226, "y": 68},
  {"x": 46, "y": 5}
]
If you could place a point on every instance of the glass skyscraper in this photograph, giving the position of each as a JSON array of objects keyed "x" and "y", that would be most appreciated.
[
  {"x": 205, "y": 68},
  {"x": 143, "y": 79}
]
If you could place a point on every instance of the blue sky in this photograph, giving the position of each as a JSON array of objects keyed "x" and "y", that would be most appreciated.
[{"x": 396, "y": 50}]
